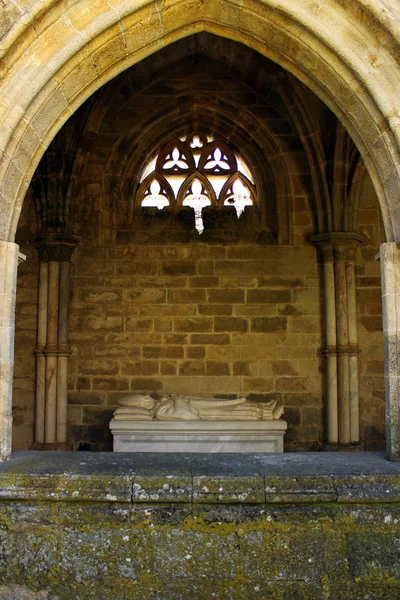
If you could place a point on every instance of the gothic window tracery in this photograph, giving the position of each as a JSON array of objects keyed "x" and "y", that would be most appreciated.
[{"x": 196, "y": 171}]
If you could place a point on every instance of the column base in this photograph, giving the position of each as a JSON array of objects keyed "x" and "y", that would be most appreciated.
[
  {"x": 355, "y": 447},
  {"x": 56, "y": 447}
]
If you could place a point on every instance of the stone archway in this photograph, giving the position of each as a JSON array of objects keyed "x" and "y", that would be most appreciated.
[{"x": 55, "y": 59}]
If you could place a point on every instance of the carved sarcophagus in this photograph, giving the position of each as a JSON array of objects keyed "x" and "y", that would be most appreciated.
[{"x": 176, "y": 423}]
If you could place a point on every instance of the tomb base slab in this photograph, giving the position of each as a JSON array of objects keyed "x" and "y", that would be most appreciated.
[{"x": 198, "y": 436}]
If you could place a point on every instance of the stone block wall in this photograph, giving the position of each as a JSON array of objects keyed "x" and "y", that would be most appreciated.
[
  {"x": 369, "y": 309},
  {"x": 23, "y": 404},
  {"x": 199, "y": 319},
  {"x": 25, "y": 358}
]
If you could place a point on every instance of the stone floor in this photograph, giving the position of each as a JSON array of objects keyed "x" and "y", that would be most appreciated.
[{"x": 300, "y": 463}]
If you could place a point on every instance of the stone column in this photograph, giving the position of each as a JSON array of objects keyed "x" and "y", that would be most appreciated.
[
  {"x": 390, "y": 270},
  {"x": 51, "y": 352},
  {"x": 341, "y": 351},
  {"x": 53, "y": 347},
  {"x": 330, "y": 346},
  {"x": 40, "y": 356},
  {"x": 9, "y": 260},
  {"x": 342, "y": 341},
  {"x": 64, "y": 352},
  {"x": 353, "y": 348}
]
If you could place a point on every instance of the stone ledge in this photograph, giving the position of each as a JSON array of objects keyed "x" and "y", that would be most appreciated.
[
  {"x": 152, "y": 526},
  {"x": 303, "y": 478}
]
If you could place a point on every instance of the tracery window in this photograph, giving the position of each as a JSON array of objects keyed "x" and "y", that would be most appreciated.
[{"x": 197, "y": 171}]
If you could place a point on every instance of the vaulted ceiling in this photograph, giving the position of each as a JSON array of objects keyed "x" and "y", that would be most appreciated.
[{"x": 212, "y": 84}]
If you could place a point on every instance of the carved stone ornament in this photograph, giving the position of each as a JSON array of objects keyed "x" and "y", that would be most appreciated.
[{"x": 183, "y": 408}]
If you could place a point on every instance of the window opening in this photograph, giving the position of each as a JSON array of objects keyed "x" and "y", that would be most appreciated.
[
  {"x": 197, "y": 199},
  {"x": 197, "y": 171},
  {"x": 155, "y": 198},
  {"x": 238, "y": 196}
]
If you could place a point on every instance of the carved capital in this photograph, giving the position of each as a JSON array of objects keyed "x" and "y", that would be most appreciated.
[
  {"x": 56, "y": 247},
  {"x": 341, "y": 252},
  {"x": 326, "y": 251},
  {"x": 324, "y": 244},
  {"x": 339, "y": 245}
]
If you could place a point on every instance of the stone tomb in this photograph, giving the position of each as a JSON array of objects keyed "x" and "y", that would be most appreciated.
[{"x": 176, "y": 423}]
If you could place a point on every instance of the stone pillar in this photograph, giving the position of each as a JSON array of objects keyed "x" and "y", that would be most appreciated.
[
  {"x": 390, "y": 269},
  {"x": 342, "y": 343},
  {"x": 51, "y": 352},
  {"x": 330, "y": 347},
  {"x": 40, "y": 357},
  {"x": 64, "y": 352},
  {"x": 341, "y": 351},
  {"x": 9, "y": 260},
  {"x": 53, "y": 347},
  {"x": 353, "y": 348}
]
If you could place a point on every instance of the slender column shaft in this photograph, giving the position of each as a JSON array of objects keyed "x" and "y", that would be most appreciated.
[
  {"x": 52, "y": 305},
  {"x": 40, "y": 397},
  {"x": 55, "y": 251},
  {"x": 354, "y": 399},
  {"x": 330, "y": 351},
  {"x": 62, "y": 372},
  {"x": 342, "y": 336},
  {"x": 51, "y": 352},
  {"x": 8, "y": 283},
  {"x": 62, "y": 398},
  {"x": 353, "y": 357},
  {"x": 63, "y": 317},
  {"x": 40, "y": 357},
  {"x": 390, "y": 269}
]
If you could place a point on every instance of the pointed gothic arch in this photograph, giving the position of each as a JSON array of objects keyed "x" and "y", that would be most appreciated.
[{"x": 303, "y": 42}]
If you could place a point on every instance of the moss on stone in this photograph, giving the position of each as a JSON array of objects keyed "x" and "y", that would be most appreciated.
[{"x": 307, "y": 537}]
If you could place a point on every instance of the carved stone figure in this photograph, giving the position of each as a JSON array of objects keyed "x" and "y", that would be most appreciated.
[{"x": 173, "y": 407}]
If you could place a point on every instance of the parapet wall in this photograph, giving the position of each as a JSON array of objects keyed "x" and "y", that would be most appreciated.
[{"x": 300, "y": 526}]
